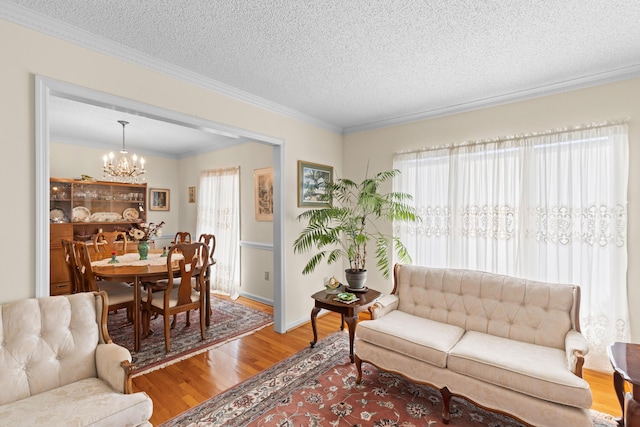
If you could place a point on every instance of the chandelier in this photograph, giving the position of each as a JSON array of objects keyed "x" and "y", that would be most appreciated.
[{"x": 123, "y": 169}]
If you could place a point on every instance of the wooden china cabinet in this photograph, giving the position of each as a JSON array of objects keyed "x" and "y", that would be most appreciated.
[{"x": 79, "y": 209}]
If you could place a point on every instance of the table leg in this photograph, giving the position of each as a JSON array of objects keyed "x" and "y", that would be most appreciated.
[
  {"x": 618, "y": 385},
  {"x": 342, "y": 322},
  {"x": 207, "y": 305},
  {"x": 632, "y": 413},
  {"x": 352, "y": 321},
  {"x": 136, "y": 314},
  {"x": 314, "y": 314}
]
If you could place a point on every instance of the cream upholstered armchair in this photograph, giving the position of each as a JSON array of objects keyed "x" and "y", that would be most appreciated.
[{"x": 60, "y": 368}]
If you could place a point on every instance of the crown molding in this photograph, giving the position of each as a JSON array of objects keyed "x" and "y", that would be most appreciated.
[
  {"x": 35, "y": 21},
  {"x": 43, "y": 24},
  {"x": 546, "y": 90}
]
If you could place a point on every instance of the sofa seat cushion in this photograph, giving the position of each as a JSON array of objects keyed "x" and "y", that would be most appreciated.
[
  {"x": 414, "y": 336},
  {"x": 531, "y": 369},
  {"x": 86, "y": 402}
]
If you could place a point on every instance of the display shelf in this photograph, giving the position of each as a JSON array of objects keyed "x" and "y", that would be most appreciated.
[{"x": 105, "y": 206}]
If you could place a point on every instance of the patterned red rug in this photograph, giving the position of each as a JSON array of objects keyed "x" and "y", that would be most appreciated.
[
  {"x": 316, "y": 387},
  {"x": 229, "y": 321}
]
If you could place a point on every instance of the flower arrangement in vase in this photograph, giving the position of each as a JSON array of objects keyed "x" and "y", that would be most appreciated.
[{"x": 142, "y": 233}]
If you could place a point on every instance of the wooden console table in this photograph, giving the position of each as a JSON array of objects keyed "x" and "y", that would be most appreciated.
[
  {"x": 349, "y": 312},
  {"x": 625, "y": 359}
]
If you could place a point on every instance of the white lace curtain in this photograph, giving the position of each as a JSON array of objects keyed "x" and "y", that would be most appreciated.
[
  {"x": 218, "y": 213},
  {"x": 549, "y": 207}
]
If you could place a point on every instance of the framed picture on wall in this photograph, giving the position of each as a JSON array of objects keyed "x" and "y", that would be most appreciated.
[
  {"x": 263, "y": 194},
  {"x": 159, "y": 199},
  {"x": 312, "y": 181},
  {"x": 192, "y": 194}
]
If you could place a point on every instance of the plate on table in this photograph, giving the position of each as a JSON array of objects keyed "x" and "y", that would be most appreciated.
[
  {"x": 346, "y": 296},
  {"x": 80, "y": 214},
  {"x": 130, "y": 214}
]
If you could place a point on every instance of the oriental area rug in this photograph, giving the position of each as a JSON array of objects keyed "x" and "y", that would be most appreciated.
[
  {"x": 229, "y": 320},
  {"x": 316, "y": 387}
]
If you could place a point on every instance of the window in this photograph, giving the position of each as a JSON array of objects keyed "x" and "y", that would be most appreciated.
[
  {"x": 219, "y": 213},
  {"x": 549, "y": 207}
]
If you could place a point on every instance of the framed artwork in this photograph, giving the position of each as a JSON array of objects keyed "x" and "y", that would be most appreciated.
[
  {"x": 312, "y": 182},
  {"x": 192, "y": 194},
  {"x": 263, "y": 194},
  {"x": 159, "y": 199}
]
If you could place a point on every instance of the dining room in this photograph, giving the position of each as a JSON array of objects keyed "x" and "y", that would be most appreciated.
[{"x": 174, "y": 161}]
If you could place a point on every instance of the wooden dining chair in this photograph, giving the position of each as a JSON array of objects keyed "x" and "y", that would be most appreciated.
[
  {"x": 210, "y": 241},
  {"x": 104, "y": 243},
  {"x": 182, "y": 237},
  {"x": 120, "y": 294},
  {"x": 183, "y": 297},
  {"x": 71, "y": 261}
]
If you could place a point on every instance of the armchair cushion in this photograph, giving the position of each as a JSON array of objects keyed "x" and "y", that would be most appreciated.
[{"x": 87, "y": 402}]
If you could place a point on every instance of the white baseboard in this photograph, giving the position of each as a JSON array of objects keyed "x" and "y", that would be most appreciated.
[{"x": 256, "y": 298}]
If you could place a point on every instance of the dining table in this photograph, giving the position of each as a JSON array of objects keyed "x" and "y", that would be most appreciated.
[{"x": 130, "y": 268}]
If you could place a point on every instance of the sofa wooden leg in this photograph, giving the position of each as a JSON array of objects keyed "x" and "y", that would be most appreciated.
[
  {"x": 446, "y": 401},
  {"x": 358, "y": 363}
]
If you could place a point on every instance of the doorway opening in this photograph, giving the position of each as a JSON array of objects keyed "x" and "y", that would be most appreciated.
[{"x": 46, "y": 88}]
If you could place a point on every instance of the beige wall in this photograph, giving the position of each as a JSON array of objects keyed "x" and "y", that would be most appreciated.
[
  {"x": 248, "y": 156},
  {"x": 31, "y": 53},
  {"x": 611, "y": 101}
]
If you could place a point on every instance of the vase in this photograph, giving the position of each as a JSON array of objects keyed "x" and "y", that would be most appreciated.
[
  {"x": 356, "y": 279},
  {"x": 143, "y": 249}
]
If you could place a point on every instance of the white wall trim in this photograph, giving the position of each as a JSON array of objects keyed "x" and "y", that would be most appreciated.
[
  {"x": 35, "y": 21},
  {"x": 256, "y": 245},
  {"x": 304, "y": 320},
  {"x": 256, "y": 298},
  {"x": 552, "y": 89},
  {"x": 45, "y": 87},
  {"x": 42, "y": 261}
]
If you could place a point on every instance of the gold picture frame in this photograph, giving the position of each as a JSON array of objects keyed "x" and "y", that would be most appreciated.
[
  {"x": 192, "y": 194},
  {"x": 312, "y": 180},
  {"x": 159, "y": 199},
  {"x": 263, "y": 193}
]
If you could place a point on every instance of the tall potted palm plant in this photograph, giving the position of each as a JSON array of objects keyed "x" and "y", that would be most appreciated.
[{"x": 344, "y": 229}]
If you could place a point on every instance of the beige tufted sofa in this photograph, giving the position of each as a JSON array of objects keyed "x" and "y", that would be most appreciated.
[
  {"x": 59, "y": 367},
  {"x": 506, "y": 344}
]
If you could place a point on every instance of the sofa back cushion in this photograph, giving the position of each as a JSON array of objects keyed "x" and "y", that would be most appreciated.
[
  {"x": 46, "y": 343},
  {"x": 508, "y": 307}
]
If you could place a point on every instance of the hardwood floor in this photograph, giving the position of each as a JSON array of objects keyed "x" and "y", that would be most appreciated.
[{"x": 187, "y": 383}]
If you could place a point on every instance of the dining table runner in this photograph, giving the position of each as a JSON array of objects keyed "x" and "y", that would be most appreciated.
[{"x": 133, "y": 259}]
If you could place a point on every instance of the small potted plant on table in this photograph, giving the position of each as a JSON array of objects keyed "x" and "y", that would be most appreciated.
[{"x": 350, "y": 222}]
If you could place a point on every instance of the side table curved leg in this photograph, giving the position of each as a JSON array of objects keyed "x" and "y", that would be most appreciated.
[
  {"x": 352, "y": 321},
  {"x": 632, "y": 413},
  {"x": 618, "y": 385},
  {"x": 314, "y": 314}
]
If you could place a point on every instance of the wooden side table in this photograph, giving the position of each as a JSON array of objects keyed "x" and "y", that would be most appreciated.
[
  {"x": 625, "y": 359},
  {"x": 349, "y": 312}
]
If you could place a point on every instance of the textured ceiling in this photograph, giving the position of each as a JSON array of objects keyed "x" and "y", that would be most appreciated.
[{"x": 364, "y": 63}]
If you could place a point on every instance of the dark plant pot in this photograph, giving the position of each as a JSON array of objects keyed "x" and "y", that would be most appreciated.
[{"x": 356, "y": 278}]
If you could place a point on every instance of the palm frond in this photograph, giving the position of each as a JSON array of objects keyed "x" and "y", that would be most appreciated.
[{"x": 347, "y": 227}]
